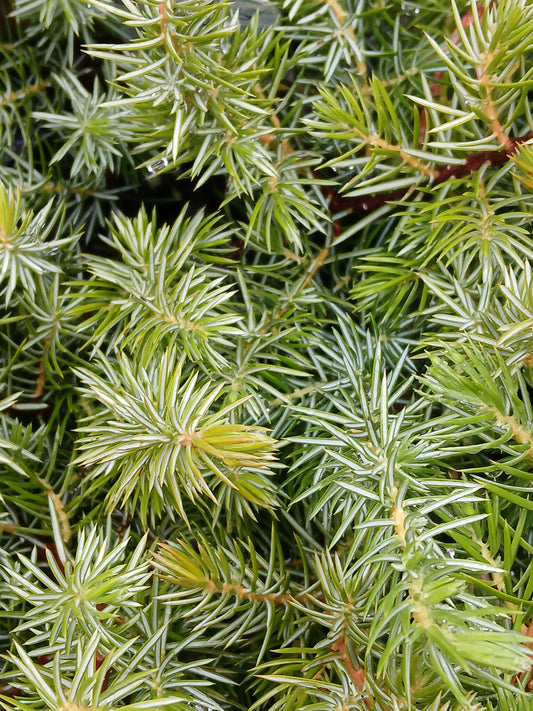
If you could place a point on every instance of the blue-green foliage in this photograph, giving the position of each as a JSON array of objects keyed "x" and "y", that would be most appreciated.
[{"x": 266, "y": 348}]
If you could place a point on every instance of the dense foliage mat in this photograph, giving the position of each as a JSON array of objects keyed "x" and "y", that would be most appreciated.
[{"x": 266, "y": 355}]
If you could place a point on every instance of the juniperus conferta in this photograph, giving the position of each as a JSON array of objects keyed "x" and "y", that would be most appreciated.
[{"x": 266, "y": 361}]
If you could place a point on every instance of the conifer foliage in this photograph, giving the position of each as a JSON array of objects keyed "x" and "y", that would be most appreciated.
[{"x": 266, "y": 355}]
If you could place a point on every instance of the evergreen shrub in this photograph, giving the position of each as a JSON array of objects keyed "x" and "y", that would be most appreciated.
[{"x": 266, "y": 355}]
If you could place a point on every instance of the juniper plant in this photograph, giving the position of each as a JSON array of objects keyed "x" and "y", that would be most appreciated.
[{"x": 266, "y": 364}]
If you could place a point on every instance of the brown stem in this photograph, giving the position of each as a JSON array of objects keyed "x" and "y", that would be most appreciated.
[
  {"x": 492, "y": 112},
  {"x": 11, "y": 692},
  {"x": 100, "y": 659},
  {"x": 59, "y": 507},
  {"x": 14, "y": 96},
  {"x": 356, "y": 675},
  {"x": 367, "y": 204},
  {"x": 54, "y": 188},
  {"x": 41, "y": 377},
  {"x": 241, "y": 592}
]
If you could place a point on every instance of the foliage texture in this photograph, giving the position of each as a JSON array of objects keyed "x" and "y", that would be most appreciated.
[{"x": 266, "y": 364}]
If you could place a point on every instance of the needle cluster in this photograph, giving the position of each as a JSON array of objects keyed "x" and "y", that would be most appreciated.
[{"x": 266, "y": 352}]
